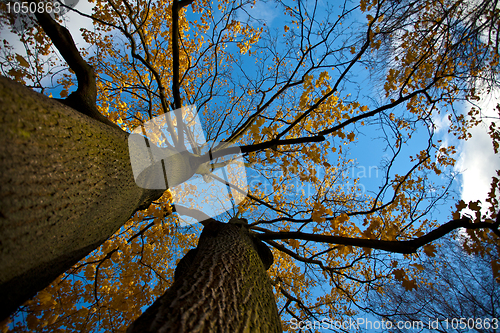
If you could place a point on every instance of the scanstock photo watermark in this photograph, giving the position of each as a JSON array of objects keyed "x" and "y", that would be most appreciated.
[
  {"x": 350, "y": 179},
  {"x": 171, "y": 152},
  {"x": 368, "y": 324}
]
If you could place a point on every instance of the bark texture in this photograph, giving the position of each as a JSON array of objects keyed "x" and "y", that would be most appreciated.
[
  {"x": 221, "y": 286},
  {"x": 66, "y": 185}
]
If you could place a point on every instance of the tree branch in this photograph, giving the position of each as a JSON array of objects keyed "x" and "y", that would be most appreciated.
[
  {"x": 263, "y": 145},
  {"x": 176, "y": 6},
  {"x": 405, "y": 247},
  {"x": 85, "y": 97}
]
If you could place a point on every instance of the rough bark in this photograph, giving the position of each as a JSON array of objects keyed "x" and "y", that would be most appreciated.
[
  {"x": 66, "y": 185},
  {"x": 221, "y": 286}
]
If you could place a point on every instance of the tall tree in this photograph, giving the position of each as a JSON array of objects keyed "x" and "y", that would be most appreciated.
[
  {"x": 64, "y": 191},
  {"x": 282, "y": 96},
  {"x": 221, "y": 286}
]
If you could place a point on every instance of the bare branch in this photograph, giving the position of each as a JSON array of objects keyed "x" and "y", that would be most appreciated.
[
  {"x": 84, "y": 98},
  {"x": 405, "y": 247}
]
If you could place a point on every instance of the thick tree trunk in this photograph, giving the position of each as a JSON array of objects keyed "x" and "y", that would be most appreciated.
[
  {"x": 221, "y": 286},
  {"x": 66, "y": 186}
]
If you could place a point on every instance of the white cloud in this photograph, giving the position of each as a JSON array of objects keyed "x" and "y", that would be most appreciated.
[
  {"x": 441, "y": 123},
  {"x": 478, "y": 162}
]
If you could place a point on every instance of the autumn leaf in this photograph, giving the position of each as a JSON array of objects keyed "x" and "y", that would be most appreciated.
[
  {"x": 45, "y": 297},
  {"x": 294, "y": 243},
  {"x": 475, "y": 205},
  {"x": 459, "y": 207},
  {"x": 399, "y": 274},
  {"x": 32, "y": 321},
  {"x": 343, "y": 218},
  {"x": 22, "y": 61},
  {"x": 430, "y": 250},
  {"x": 409, "y": 284},
  {"x": 418, "y": 266},
  {"x": 17, "y": 74}
]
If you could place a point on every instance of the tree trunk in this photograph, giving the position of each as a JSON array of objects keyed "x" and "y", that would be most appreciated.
[
  {"x": 221, "y": 286},
  {"x": 66, "y": 186}
]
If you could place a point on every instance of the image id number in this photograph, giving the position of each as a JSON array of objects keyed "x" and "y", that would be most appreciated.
[
  {"x": 33, "y": 7},
  {"x": 471, "y": 323}
]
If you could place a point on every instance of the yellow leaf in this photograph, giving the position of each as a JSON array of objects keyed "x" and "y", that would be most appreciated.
[
  {"x": 294, "y": 243},
  {"x": 89, "y": 272},
  {"x": 53, "y": 319},
  {"x": 342, "y": 218},
  {"x": 84, "y": 311},
  {"x": 430, "y": 250},
  {"x": 399, "y": 274},
  {"x": 364, "y": 108},
  {"x": 362, "y": 5},
  {"x": 353, "y": 50},
  {"x": 32, "y": 321},
  {"x": 17, "y": 74},
  {"x": 418, "y": 266},
  {"x": 409, "y": 285},
  {"x": 45, "y": 297},
  {"x": 22, "y": 61},
  {"x": 474, "y": 205}
]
